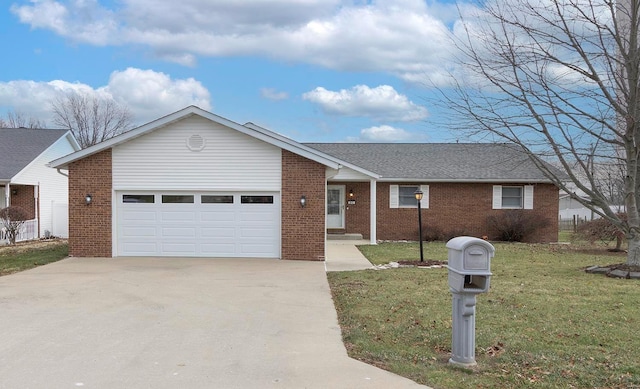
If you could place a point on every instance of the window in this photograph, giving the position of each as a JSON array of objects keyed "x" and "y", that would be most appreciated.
[
  {"x": 177, "y": 199},
  {"x": 256, "y": 199},
  {"x": 407, "y": 196},
  {"x": 403, "y": 196},
  {"x": 512, "y": 197},
  {"x": 148, "y": 199},
  {"x": 216, "y": 199}
]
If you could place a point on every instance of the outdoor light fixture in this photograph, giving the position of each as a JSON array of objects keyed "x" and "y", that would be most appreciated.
[
  {"x": 88, "y": 198},
  {"x": 351, "y": 193},
  {"x": 14, "y": 192},
  {"x": 419, "y": 194},
  {"x": 303, "y": 201}
]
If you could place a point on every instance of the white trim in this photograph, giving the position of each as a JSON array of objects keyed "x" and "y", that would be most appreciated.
[
  {"x": 249, "y": 129},
  {"x": 394, "y": 191},
  {"x": 341, "y": 203},
  {"x": 528, "y": 196},
  {"x": 373, "y": 212},
  {"x": 424, "y": 203},
  {"x": 497, "y": 197}
]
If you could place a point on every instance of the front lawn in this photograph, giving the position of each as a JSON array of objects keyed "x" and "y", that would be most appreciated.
[
  {"x": 23, "y": 256},
  {"x": 545, "y": 322}
]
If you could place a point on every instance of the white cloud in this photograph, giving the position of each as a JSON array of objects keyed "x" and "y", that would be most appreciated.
[
  {"x": 381, "y": 103},
  {"x": 402, "y": 37},
  {"x": 386, "y": 134},
  {"x": 148, "y": 94},
  {"x": 272, "y": 94}
]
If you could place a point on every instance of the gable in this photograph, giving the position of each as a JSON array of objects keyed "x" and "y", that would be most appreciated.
[
  {"x": 195, "y": 153},
  {"x": 20, "y": 146}
]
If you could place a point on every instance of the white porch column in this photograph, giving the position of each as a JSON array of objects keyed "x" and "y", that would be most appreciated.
[{"x": 373, "y": 212}]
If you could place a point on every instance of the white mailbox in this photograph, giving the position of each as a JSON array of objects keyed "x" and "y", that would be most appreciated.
[{"x": 469, "y": 264}]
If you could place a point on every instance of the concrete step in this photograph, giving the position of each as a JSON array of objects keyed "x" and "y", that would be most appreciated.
[{"x": 344, "y": 236}]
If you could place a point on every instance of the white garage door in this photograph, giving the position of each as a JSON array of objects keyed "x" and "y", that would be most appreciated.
[{"x": 198, "y": 224}]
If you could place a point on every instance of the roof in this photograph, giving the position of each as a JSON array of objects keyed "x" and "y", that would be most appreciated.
[
  {"x": 248, "y": 129},
  {"x": 444, "y": 162},
  {"x": 20, "y": 146}
]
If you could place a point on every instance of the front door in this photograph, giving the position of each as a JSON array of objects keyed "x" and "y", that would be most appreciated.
[{"x": 335, "y": 206}]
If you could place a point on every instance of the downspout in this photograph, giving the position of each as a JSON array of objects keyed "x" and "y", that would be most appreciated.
[{"x": 58, "y": 170}]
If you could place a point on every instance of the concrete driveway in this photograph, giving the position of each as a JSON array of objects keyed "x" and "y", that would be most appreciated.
[{"x": 176, "y": 323}]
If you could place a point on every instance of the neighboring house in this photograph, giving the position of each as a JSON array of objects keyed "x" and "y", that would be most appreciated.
[
  {"x": 27, "y": 181},
  {"x": 572, "y": 210},
  {"x": 196, "y": 184}
]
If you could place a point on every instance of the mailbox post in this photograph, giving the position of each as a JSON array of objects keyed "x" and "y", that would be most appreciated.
[{"x": 469, "y": 274}]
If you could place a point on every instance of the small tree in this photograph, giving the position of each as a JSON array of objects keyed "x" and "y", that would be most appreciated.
[
  {"x": 602, "y": 230},
  {"x": 12, "y": 218}
]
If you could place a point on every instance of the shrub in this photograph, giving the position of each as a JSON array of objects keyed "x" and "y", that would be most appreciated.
[
  {"x": 515, "y": 225},
  {"x": 602, "y": 230},
  {"x": 11, "y": 219}
]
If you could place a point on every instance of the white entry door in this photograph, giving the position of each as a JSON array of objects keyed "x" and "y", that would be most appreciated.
[{"x": 335, "y": 206}]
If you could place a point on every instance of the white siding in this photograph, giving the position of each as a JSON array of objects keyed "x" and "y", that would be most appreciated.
[
  {"x": 346, "y": 174},
  {"x": 54, "y": 188},
  {"x": 229, "y": 161}
]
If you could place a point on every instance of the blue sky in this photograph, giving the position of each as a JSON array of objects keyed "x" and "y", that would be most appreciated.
[{"x": 312, "y": 70}]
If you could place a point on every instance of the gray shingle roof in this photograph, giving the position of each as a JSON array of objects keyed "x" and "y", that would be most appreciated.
[
  {"x": 20, "y": 146},
  {"x": 438, "y": 161}
]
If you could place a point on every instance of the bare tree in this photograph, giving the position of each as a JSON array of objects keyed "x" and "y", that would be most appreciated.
[
  {"x": 559, "y": 78},
  {"x": 19, "y": 120},
  {"x": 92, "y": 119}
]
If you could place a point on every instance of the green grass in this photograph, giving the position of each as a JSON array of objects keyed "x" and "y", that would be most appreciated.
[
  {"x": 545, "y": 322},
  {"x": 24, "y": 257}
]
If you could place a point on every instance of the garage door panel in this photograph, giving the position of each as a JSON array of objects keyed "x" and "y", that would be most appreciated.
[
  {"x": 178, "y": 232},
  {"x": 256, "y": 233},
  {"x": 178, "y": 216},
  {"x": 218, "y": 216},
  {"x": 178, "y": 249},
  {"x": 139, "y": 232},
  {"x": 218, "y": 249},
  {"x": 209, "y": 229},
  {"x": 217, "y": 232},
  {"x": 256, "y": 215},
  {"x": 132, "y": 215}
]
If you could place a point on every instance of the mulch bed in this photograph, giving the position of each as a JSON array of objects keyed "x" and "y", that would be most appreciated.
[{"x": 28, "y": 245}]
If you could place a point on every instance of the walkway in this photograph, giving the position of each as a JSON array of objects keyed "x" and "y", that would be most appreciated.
[{"x": 343, "y": 255}]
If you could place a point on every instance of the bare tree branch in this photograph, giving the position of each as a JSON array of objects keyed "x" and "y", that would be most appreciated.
[
  {"x": 559, "y": 79},
  {"x": 19, "y": 120},
  {"x": 91, "y": 119}
]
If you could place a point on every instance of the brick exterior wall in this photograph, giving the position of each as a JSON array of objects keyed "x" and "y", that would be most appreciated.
[
  {"x": 25, "y": 199},
  {"x": 454, "y": 209},
  {"x": 90, "y": 225},
  {"x": 303, "y": 229}
]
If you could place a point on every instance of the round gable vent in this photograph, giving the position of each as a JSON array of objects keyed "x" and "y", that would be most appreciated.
[{"x": 195, "y": 143}]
